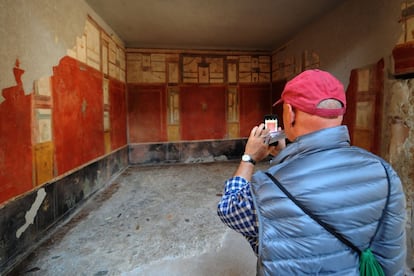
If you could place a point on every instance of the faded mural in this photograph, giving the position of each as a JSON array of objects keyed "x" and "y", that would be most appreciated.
[{"x": 71, "y": 117}]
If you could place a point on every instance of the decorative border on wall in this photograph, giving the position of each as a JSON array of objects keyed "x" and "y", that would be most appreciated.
[{"x": 175, "y": 67}]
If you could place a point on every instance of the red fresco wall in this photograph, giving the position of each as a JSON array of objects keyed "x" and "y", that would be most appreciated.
[
  {"x": 147, "y": 109},
  {"x": 77, "y": 119},
  {"x": 77, "y": 114},
  {"x": 203, "y": 112},
  {"x": 118, "y": 114},
  {"x": 77, "y": 123},
  {"x": 255, "y": 102},
  {"x": 15, "y": 140}
]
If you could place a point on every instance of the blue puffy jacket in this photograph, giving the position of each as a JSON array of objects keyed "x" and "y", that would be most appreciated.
[{"x": 347, "y": 188}]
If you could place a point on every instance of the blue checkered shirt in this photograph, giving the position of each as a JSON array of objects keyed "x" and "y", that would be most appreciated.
[{"x": 237, "y": 211}]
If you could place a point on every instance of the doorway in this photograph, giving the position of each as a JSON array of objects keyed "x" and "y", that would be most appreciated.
[{"x": 364, "y": 106}]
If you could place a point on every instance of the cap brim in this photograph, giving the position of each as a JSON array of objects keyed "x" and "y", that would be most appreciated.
[{"x": 278, "y": 102}]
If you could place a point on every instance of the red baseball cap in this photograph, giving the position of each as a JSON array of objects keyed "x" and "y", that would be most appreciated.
[{"x": 309, "y": 88}]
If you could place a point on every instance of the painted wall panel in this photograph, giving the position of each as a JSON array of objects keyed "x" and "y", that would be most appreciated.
[
  {"x": 43, "y": 156},
  {"x": 203, "y": 112},
  {"x": 77, "y": 116},
  {"x": 118, "y": 114},
  {"x": 66, "y": 118},
  {"x": 90, "y": 85},
  {"x": 255, "y": 102},
  {"x": 147, "y": 113}
]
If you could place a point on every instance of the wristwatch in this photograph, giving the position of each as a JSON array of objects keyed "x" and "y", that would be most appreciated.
[{"x": 248, "y": 158}]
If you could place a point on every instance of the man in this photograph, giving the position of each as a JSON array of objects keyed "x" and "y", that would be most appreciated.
[{"x": 345, "y": 186}]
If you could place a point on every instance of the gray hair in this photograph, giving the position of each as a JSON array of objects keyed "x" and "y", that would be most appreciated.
[{"x": 330, "y": 104}]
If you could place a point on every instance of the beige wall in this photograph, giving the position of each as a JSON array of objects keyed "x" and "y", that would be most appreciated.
[
  {"x": 39, "y": 33},
  {"x": 356, "y": 34}
]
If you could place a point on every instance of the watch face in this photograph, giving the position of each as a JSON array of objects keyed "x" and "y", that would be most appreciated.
[{"x": 246, "y": 158}]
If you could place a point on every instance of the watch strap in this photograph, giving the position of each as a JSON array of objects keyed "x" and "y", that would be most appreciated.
[{"x": 248, "y": 158}]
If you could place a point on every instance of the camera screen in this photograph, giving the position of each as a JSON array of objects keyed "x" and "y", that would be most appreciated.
[{"x": 270, "y": 122}]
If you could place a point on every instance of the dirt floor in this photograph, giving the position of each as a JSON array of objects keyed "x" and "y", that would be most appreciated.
[{"x": 152, "y": 220}]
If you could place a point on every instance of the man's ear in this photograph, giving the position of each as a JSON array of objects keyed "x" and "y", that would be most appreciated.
[{"x": 291, "y": 114}]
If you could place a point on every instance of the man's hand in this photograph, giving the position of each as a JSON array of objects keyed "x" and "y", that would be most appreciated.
[
  {"x": 256, "y": 146},
  {"x": 257, "y": 149}
]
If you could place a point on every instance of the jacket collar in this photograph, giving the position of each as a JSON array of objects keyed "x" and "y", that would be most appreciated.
[{"x": 323, "y": 139}]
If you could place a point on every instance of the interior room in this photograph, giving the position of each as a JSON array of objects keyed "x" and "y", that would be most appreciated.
[{"x": 110, "y": 110}]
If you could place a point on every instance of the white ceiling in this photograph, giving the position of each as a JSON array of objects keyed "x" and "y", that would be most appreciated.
[{"x": 209, "y": 24}]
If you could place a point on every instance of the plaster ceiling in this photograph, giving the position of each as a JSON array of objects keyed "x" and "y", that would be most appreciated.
[{"x": 209, "y": 24}]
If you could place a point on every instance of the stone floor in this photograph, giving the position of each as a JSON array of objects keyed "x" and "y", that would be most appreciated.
[{"x": 152, "y": 220}]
